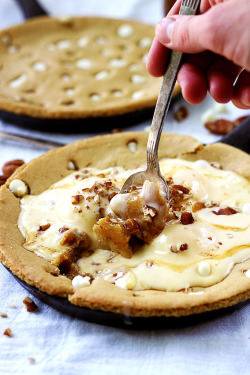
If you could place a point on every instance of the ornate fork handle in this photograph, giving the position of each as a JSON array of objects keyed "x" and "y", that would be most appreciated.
[{"x": 165, "y": 95}]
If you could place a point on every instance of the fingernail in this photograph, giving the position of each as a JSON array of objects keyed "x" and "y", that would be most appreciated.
[{"x": 164, "y": 30}]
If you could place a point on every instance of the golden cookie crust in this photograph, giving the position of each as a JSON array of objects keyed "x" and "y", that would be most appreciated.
[
  {"x": 64, "y": 78},
  {"x": 102, "y": 152}
]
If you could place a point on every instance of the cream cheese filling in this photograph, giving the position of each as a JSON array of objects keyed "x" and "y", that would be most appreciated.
[{"x": 215, "y": 242}]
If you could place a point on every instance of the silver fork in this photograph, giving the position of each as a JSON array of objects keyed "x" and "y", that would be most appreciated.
[{"x": 152, "y": 172}]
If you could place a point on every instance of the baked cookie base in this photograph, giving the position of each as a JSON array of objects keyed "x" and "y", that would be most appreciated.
[
  {"x": 40, "y": 173},
  {"x": 121, "y": 320}
]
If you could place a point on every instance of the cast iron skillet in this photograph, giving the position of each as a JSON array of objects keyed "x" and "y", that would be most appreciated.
[
  {"x": 31, "y": 8},
  {"x": 240, "y": 138}
]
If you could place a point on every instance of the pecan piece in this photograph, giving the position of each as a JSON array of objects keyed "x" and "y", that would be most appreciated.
[
  {"x": 29, "y": 304},
  {"x": 239, "y": 120},
  {"x": 181, "y": 113},
  {"x": 43, "y": 228},
  {"x": 184, "y": 246},
  {"x": 225, "y": 211},
  {"x": 8, "y": 332},
  {"x": 10, "y": 166},
  {"x": 2, "y": 180},
  {"x": 181, "y": 188},
  {"x": 186, "y": 218},
  {"x": 132, "y": 225},
  {"x": 220, "y": 127}
]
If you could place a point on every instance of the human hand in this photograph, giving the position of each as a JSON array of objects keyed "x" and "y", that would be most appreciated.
[{"x": 217, "y": 45}]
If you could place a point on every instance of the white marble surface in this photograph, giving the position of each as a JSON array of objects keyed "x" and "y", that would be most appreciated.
[{"x": 63, "y": 345}]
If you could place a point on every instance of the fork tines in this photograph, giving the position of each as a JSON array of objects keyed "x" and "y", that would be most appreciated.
[{"x": 191, "y": 4}]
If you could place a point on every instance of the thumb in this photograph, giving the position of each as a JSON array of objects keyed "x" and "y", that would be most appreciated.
[{"x": 183, "y": 33}]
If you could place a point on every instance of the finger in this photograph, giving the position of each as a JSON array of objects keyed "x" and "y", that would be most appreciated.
[
  {"x": 193, "y": 83},
  {"x": 221, "y": 76},
  {"x": 157, "y": 59},
  {"x": 241, "y": 97}
]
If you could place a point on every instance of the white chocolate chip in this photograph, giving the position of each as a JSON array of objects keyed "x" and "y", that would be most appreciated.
[
  {"x": 82, "y": 42},
  {"x": 145, "y": 42},
  {"x": 18, "y": 81},
  {"x": 101, "y": 40},
  {"x": 39, "y": 66},
  {"x": 18, "y": 188},
  {"x": 102, "y": 75},
  {"x": 246, "y": 208},
  {"x": 133, "y": 67},
  {"x": 138, "y": 79},
  {"x": 220, "y": 108},
  {"x": 132, "y": 145},
  {"x": 125, "y": 30},
  {"x": 126, "y": 282},
  {"x": 208, "y": 116},
  {"x": 84, "y": 63},
  {"x": 203, "y": 164},
  {"x": 80, "y": 282},
  {"x": 137, "y": 94},
  {"x": 204, "y": 269},
  {"x": 6, "y": 39},
  {"x": 117, "y": 93},
  {"x": 63, "y": 44},
  {"x": 144, "y": 58},
  {"x": 65, "y": 19},
  {"x": 69, "y": 91},
  {"x": 51, "y": 47},
  {"x": 66, "y": 77},
  {"x": 196, "y": 293},
  {"x": 13, "y": 49},
  {"x": 72, "y": 166},
  {"x": 95, "y": 97},
  {"x": 117, "y": 63},
  {"x": 247, "y": 273}
]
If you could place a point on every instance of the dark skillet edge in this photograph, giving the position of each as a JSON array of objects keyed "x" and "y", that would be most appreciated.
[
  {"x": 31, "y": 8},
  {"x": 116, "y": 320},
  {"x": 239, "y": 137},
  {"x": 78, "y": 125}
]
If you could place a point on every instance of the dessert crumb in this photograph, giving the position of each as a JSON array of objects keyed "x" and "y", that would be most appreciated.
[
  {"x": 3, "y": 315},
  {"x": 29, "y": 304},
  {"x": 8, "y": 332},
  {"x": 32, "y": 360},
  {"x": 12, "y": 307}
]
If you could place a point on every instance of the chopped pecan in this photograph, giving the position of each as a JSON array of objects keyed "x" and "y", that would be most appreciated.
[
  {"x": 2, "y": 180},
  {"x": 183, "y": 247},
  {"x": 181, "y": 113},
  {"x": 186, "y": 218},
  {"x": 181, "y": 188},
  {"x": 8, "y": 332},
  {"x": 239, "y": 120},
  {"x": 10, "y": 166},
  {"x": 225, "y": 211},
  {"x": 44, "y": 227},
  {"x": 32, "y": 360},
  {"x": 198, "y": 206},
  {"x": 174, "y": 249},
  {"x": 63, "y": 229},
  {"x": 132, "y": 225},
  {"x": 29, "y": 304},
  {"x": 76, "y": 199},
  {"x": 220, "y": 127}
]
